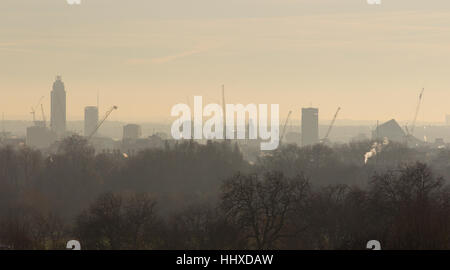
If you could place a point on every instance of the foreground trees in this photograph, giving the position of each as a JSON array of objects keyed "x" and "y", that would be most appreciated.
[
  {"x": 119, "y": 222},
  {"x": 24, "y": 227},
  {"x": 192, "y": 196},
  {"x": 413, "y": 207},
  {"x": 200, "y": 227},
  {"x": 262, "y": 205},
  {"x": 405, "y": 208}
]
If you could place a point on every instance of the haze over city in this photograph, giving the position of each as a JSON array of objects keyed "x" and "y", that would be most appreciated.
[
  {"x": 147, "y": 56},
  {"x": 224, "y": 126}
]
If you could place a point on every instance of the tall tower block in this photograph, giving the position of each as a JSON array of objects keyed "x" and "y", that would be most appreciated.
[
  {"x": 310, "y": 126},
  {"x": 58, "y": 108}
]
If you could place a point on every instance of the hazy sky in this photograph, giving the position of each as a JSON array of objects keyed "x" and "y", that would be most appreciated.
[{"x": 147, "y": 55}]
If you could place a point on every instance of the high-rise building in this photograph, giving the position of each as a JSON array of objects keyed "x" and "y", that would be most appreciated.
[
  {"x": 447, "y": 119},
  {"x": 58, "y": 108},
  {"x": 132, "y": 132},
  {"x": 90, "y": 120},
  {"x": 310, "y": 126}
]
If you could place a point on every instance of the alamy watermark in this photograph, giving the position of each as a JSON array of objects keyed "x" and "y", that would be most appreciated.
[
  {"x": 374, "y": 2},
  {"x": 74, "y": 2},
  {"x": 229, "y": 123},
  {"x": 370, "y": 2}
]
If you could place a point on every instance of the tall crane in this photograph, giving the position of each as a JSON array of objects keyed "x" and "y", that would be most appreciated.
[
  {"x": 413, "y": 126},
  {"x": 33, "y": 110},
  {"x": 332, "y": 124},
  {"x": 284, "y": 127},
  {"x": 44, "y": 119},
  {"x": 101, "y": 122}
]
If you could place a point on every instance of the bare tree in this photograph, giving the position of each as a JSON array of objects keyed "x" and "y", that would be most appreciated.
[
  {"x": 261, "y": 207},
  {"x": 202, "y": 226},
  {"x": 116, "y": 221},
  {"x": 411, "y": 206}
]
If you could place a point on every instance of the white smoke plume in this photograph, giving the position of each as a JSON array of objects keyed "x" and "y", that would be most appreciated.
[{"x": 376, "y": 148}]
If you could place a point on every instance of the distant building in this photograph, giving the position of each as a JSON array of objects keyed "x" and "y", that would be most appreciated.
[
  {"x": 40, "y": 123},
  {"x": 90, "y": 120},
  {"x": 105, "y": 144},
  {"x": 293, "y": 138},
  {"x": 40, "y": 137},
  {"x": 161, "y": 135},
  {"x": 58, "y": 108},
  {"x": 132, "y": 132},
  {"x": 447, "y": 119},
  {"x": 390, "y": 130},
  {"x": 310, "y": 126},
  {"x": 131, "y": 147}
]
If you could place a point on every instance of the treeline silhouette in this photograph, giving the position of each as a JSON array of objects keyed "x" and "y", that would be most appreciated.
[{"x": 193, "y": 196}]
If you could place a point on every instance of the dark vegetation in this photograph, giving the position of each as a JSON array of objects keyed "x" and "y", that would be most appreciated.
[{"x": 191, "y": 196}]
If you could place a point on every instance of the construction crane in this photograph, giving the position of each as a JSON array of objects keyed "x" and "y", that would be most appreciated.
[
  {"x": 284, "y": 127},
  {"x": 33, "y": 110},
  {"x": 101, "y": 122},
  {"x": 413, "y": 126},
  {"x": 331, "y": 125},
  {"x": 44, "y": 119}
]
